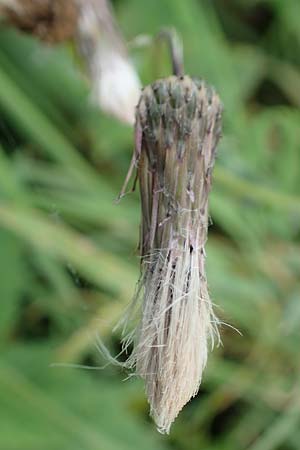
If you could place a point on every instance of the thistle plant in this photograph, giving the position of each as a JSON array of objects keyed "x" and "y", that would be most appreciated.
[{"x": 178, "y": 125}]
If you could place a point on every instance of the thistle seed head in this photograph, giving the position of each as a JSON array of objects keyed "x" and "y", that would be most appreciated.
[
  {"x": 180, "y": 120},
  {"x": 178, "y": 125},
  {"x": 52, "y": 21}
]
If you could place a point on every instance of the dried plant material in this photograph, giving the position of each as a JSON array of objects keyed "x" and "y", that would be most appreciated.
[
  {"x": 49, "y": 20},
  {"x": 116, "y": 86},
  {"x": 115, "y": 83},
  {"x": 8, "y": 5},
  {"x": 178, "y": 125}
]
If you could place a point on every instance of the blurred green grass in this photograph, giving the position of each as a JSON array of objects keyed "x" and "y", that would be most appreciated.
[{"x": 67, "y": 258}]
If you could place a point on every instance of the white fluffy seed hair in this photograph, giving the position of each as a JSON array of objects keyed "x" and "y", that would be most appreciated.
[
  {"x": 178, "y": 125},
  {"x": 171, "y": 342},
  {"x": 116, "y": 86}
]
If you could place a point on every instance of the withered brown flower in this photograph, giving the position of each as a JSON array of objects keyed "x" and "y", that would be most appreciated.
[
  {"x": 178, "y": 125},
  {"x": 50, "y": 20}
]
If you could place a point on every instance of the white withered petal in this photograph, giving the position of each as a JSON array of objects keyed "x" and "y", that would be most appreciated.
[{"x": 178, "y": 125}]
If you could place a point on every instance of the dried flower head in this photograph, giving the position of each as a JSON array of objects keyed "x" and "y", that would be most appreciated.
[
  {"x": 178, "y": 125},
  {"x": 50, "y": 20}
]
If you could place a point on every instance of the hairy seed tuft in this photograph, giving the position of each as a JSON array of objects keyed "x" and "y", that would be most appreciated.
[{"x": 178, "y": 125}]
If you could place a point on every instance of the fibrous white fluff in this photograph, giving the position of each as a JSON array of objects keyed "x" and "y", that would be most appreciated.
[
  {"x": 177, "y": 129},
  {"x": 115, "y": 83},
  {"x": 170, "y": 346}
]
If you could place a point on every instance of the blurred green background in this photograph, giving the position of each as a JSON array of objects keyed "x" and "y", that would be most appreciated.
[{"x": 68, "y": 261}]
